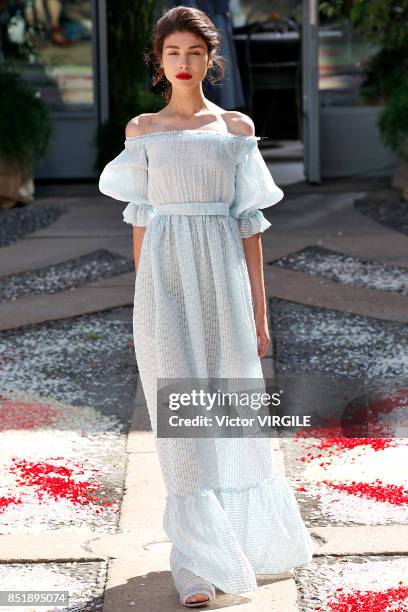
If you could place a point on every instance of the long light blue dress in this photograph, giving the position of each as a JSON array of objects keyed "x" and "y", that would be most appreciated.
[{"x": 229, "y": 513}]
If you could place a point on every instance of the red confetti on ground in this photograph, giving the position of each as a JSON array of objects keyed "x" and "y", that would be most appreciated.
[
  {"x": 387, "y": 404},
  {"x": 376, "y": 444},
  {"x": 5, "y": 502},
  {"x": 56, "y": 481},
  {"x": 332, "y": 436},
  {"x": 25, "y": 415},
  {"x": 331, "y": 446},
  {"x": 393, "y": 494},
  {"x": 371, "y": 601}
]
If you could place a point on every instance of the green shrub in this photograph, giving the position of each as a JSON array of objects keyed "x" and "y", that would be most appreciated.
[
  {"x": 383, "y": 23},
  {"x": 130, "y": 25},
  {"x": 25, "y": 125},
  {"x": 393, "y": 120}
]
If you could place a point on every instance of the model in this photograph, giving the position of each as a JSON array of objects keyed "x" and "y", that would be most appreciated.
[{"x": 196, "y": 182}]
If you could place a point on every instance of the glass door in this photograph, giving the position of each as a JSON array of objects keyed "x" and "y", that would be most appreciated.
[
  {"x": 340, "y": 116},
  {"x": 310, "y": 91},
  {"x": 53, "y": 45}
]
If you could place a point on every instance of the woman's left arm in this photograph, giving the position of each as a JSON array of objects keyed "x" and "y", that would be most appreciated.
[
  {"x": 254, "y": 258},
  {"x": 255, "y": 189}
]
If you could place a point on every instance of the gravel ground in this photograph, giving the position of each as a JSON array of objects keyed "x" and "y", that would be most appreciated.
[
  {"x": 312, "y": 339},
  {"x": 84, "y": 361},
  {"x": 340, "y": 584},
  {"x": 15, "y": 223},
  {"x": 349, "y": 481},
  {"x": 67, "y": 391},
  {"x": 322, "y": 262},
  {"x": 69, "y": 274},
  {"x": 390, "y": 211},
  {"x": 84, "y": 582},
  {"x": 342, "y": 480}
]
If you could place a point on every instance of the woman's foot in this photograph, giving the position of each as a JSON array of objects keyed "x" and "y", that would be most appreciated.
[
  {"x": 198, "y": 597},
  {"x": 198, "y": 592}
]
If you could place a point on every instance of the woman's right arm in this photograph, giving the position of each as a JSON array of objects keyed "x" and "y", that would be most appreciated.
[
  {"x": 125, "y": 178},
  {"x": 134, "y": 128}
]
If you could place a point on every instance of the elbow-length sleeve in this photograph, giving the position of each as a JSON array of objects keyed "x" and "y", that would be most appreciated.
[
  {"x": 255, "y": 189},
  {"x": 125, "y": 178}
]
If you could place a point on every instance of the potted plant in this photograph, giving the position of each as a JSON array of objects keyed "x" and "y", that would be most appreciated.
[
  {"x": 393, "y": 124},
  {"x": 25, "y": 130},
  {"x": 386, "y": 77}
]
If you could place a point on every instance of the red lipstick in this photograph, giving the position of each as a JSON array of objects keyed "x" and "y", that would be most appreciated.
[{"x": 184, "y": 75}]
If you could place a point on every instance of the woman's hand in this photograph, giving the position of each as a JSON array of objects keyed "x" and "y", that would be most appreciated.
[{"x": 262, "y": 332}]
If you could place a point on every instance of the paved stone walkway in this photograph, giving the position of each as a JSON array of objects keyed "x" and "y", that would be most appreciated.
[{"x": 136, "y": 556}]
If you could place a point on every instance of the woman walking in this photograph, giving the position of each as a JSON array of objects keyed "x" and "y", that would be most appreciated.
[{"x": 195, "y": 183}]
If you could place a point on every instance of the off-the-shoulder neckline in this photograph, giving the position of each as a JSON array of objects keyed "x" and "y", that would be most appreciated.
[{"x": 192, "y": 131}]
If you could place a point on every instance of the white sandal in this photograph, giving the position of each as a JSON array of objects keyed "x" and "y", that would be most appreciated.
[{"x": 195, "y": 586}]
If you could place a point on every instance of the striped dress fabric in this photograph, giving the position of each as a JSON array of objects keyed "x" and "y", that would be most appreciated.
[{"x": 229, "y": 513}]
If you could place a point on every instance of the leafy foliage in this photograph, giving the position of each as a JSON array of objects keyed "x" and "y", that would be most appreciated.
[
  {"x": 25, "y": 124},
  {"x": 393, "y": 121},
  {"x": 384, "y": 23},
  {"x": 130, "y": 26}
]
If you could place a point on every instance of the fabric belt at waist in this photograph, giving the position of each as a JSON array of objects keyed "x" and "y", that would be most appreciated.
[{"x": 193, "y": 208}]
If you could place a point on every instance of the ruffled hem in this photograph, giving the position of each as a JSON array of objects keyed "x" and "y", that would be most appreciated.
[
  {"x": 252, "y": 224},
  {"x": 138, "y": 214},
  {"x": 227, "y": 536}
]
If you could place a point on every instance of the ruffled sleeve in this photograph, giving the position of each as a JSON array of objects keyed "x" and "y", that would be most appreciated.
[
  {"x": 254, "y": 189},
  {"x": 125, "y": 178}
]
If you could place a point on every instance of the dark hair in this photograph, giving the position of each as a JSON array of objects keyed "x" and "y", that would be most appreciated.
[{"x": 185, "y": 19}]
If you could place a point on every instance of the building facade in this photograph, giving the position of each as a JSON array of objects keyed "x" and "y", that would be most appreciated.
[{"x": 315, "y": 70}]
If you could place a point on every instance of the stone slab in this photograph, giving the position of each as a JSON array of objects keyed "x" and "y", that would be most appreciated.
[
  {"x": 102, "y": 295},
  {"x": 301, "y": 288}
]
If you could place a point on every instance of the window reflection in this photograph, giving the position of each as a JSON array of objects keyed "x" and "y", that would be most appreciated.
[
  {"x": 50, "y": 43},
  {"x": 245, "y": 12},
  {"x": 343, "y": 59},
  {"x": 343, "y": 54}
]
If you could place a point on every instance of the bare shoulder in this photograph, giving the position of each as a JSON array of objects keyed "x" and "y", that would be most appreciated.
[
  {"x": 239, "y": 124},
  {"x": 138, "y": 125}
]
